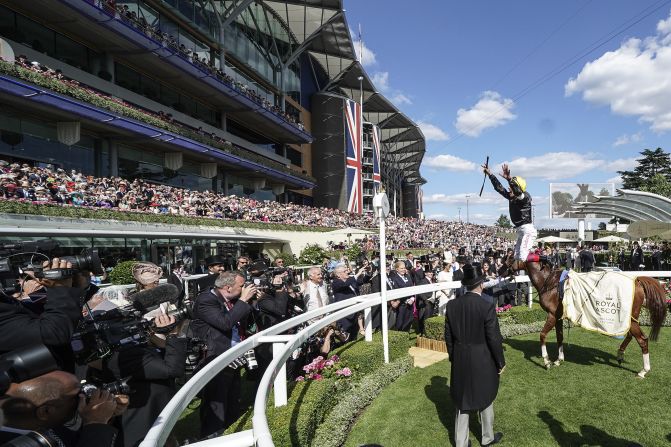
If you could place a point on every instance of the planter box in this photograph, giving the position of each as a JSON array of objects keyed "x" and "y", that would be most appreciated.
[{"x": 429, "y": 343}]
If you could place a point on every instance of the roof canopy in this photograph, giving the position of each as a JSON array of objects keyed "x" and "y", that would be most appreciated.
[{"x": 320, "y": 28}]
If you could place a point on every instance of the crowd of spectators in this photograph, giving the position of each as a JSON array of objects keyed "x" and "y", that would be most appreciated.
[
  {"x": 47, "y": 185},
  {"x": 123, "y": 12}
]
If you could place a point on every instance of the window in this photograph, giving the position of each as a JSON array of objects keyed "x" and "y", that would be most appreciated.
[
  {"x": 72, "y": 53},
  {"x": 36, "y": 36},
  {"x": 296, "y": 157}
]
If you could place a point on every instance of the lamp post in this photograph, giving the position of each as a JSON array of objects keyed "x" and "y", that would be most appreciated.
[
  {"x": 381, "y": 208},
  {"x": 459, "y": 208},
  {"x": 468, "y": 220}
]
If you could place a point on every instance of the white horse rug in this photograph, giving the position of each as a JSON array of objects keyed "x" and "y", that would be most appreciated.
[{"x": 599, "y": 301}]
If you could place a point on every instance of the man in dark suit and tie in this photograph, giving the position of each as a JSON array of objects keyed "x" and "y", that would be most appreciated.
[
  {"x": 474, "y": 344},
  {"x": 400, "y": 278},
  {"x": 215, "y": 265},
  {"x": 220, "y": 319}
]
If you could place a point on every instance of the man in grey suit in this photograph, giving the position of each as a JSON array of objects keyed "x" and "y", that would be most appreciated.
[{"x": 474, "y": 344}]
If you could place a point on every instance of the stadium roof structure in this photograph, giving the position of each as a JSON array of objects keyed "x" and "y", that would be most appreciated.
[
  {"x": 631, "y": 205},
  {"x": 319, "y": 27}
]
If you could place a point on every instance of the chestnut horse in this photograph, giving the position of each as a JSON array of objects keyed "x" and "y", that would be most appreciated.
[{"x": 648, "y": 293}]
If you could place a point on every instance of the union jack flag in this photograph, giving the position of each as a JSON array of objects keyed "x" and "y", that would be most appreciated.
[
  {"x": 420, "y": 199},
  {"x": 377, "y": 178},
  {"x": 353, "y": 151}
]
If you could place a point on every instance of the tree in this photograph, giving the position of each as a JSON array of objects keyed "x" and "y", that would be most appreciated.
[
  {"x": 602, "y": 225},
  {"x": 652, "y": 163},
  {"x": 658, "y": 184},
  {"x": 503, "y": 222},
  {"x": 562, "y": 203},
  {"x": 604, "y": 192}
]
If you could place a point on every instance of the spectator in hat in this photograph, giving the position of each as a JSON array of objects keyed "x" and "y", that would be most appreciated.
[
  {"x": 474, "y": 343},
  {"x": 215, "y": 265}
]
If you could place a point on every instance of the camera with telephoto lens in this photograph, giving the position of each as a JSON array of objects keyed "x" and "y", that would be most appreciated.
[
  {"x": 24, "y": 364},
  {"x": 116, "y": 387},
  {"x": 17, "y": 258}
]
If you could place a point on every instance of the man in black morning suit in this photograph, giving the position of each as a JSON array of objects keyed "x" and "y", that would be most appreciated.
[
  {"x": 215, "y": 265},
  {"x": 474, "y": 344}
]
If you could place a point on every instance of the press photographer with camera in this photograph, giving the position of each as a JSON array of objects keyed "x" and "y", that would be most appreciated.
[
  {"x": 53, "y": 327},
  {"x": 51, "y": 410},
  {"x": 149, "y": 369},
  {"x": 220, "y": 319}
]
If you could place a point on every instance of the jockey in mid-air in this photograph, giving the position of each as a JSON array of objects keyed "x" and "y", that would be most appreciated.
[{"x": 519, "y": 205}]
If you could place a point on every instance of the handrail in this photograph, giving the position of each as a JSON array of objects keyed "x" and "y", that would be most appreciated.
[{"x": 158, "y": 434}]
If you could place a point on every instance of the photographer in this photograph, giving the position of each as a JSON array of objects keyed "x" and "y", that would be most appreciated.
[
  {"x": 53, "y": 406},
  {"x": 220, "y": 318},
  {"x": 150, "y": 372},
  {"x": 20, "y": 327}
]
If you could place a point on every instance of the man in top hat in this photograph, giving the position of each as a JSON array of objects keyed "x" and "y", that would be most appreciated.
[
  {"x": 215, "y": 265},
  {"x": 474, "y": 344}
]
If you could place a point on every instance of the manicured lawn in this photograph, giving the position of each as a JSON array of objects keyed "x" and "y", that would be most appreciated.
[{"x": 587, "y": 401}]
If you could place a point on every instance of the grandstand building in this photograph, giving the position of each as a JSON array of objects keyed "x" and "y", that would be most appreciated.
[{"x": 252, "y": 98}]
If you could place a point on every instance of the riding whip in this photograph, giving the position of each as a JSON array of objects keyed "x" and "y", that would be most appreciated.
[{"x": 484, "y": 179}]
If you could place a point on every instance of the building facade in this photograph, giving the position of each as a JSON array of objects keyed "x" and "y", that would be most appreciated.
[{"x": 237, "y": 97}]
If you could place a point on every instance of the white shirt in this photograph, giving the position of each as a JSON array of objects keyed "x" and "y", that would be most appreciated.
[{"x": 312, "y": 298}]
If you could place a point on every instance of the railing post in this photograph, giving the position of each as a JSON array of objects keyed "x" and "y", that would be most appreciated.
[
  {"x": 280, "y": 383},
  {"x": 368, "y": 323},
  {"x": 530, "y": 289}
]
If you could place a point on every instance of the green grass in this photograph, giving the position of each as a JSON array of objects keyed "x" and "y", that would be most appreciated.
[{"x": 587, "y": 401}]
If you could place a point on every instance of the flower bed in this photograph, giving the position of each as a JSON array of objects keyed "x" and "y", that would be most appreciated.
[{"x": 311, "y": 402}]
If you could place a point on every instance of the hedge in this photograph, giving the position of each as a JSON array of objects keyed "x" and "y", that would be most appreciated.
[
  {"x": 54, "y": 210},
  {"x": 85, "y": 95},
  {"x": 310, "y": 402},
  {"x": 335, "y": 428},
  {"x": 122, "y": 273}
]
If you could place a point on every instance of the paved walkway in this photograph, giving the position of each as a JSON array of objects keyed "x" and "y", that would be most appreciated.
[{"x": 426, "y": 357}]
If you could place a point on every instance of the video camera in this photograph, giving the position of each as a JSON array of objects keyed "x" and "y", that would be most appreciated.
[
  {"x": 99, "y": 334},
  {"x": 261, "y": 276},
  {"x": 17, "y": 258}
]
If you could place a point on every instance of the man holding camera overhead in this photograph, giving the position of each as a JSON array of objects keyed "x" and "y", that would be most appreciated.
[
  {"x": 220, "y": 319},
  {"x": 21, "y": 327}
]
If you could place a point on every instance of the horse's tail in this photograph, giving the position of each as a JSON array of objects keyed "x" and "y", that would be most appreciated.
[{"x": 656, "y": 303}]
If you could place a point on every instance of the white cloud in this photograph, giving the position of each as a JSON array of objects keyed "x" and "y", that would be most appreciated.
[
  {"x": 432, "y": 132},
  {"x": 627, "y": 139},
  {"x": 400, "y": 99},
  {"x": 621, "y": 164},
  {"x": 632, "y": 80},
  {"x": 560, "y": 165},
  {"x": 364, "y": 54},
  {"x": 450, "y": 163},
  {"x": 380, "y": 80},
  {"x": 554, "y": 165},
  {"x": 491, "y": 110}
]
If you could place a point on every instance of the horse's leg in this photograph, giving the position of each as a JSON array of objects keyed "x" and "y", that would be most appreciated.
[
  {"x": 643, "y": 343},
  {"x": 623, "y": 346},
  {"x": 559, "y": 327},
  {"x": 549, "y": 324}
]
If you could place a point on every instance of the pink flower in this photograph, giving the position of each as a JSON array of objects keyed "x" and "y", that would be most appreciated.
[
  {"x": 346, "y": 372},
  {"x": 329, "y": 363},
  {"x": 317, "y": 377},
  {"x": 300, "y": 379},
  {"x": 335, "y": 358}
]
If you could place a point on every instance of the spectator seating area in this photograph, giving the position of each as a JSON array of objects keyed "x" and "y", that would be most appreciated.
[{"x": 48, "y": 185}]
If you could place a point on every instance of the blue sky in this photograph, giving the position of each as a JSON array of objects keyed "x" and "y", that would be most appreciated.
[{"x": 525, "y": 82}]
